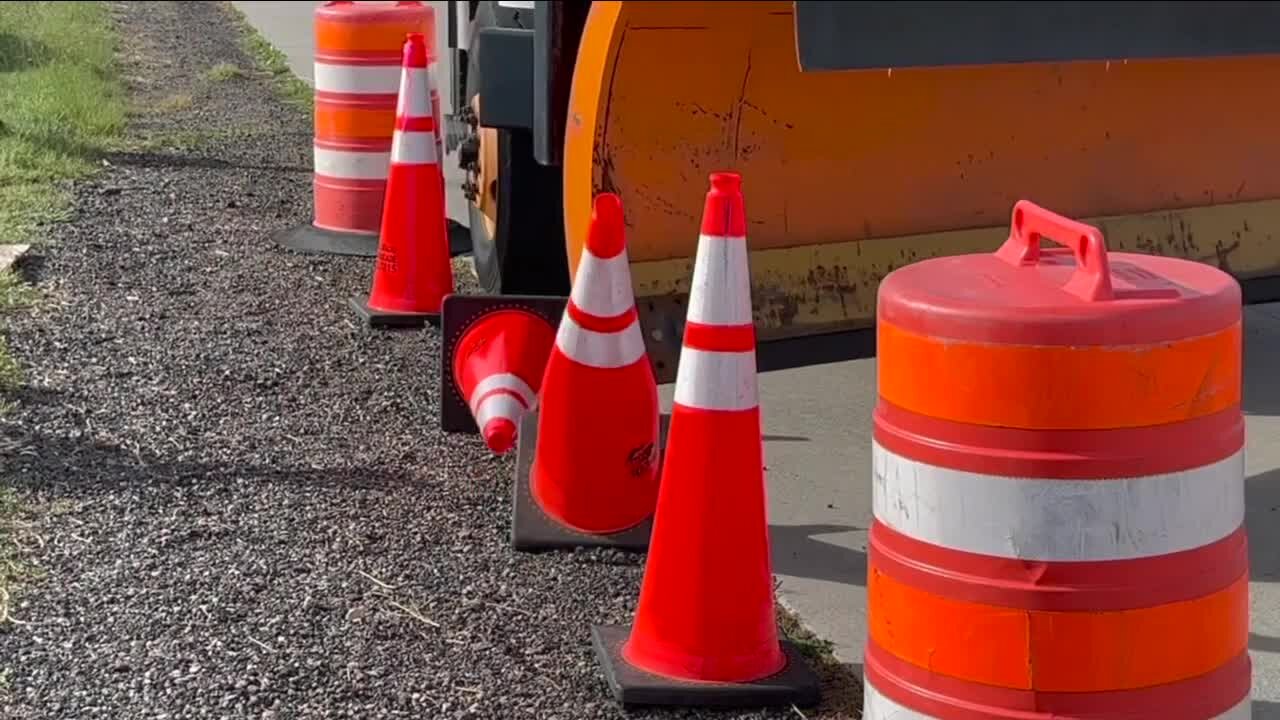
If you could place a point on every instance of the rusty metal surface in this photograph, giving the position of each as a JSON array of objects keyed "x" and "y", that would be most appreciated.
[{"x": 831, "y": 288}]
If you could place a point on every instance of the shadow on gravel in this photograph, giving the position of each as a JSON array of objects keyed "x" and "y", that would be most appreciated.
[
  {"x": 83, "y": 466},
  {"x": 1262, "y": 520},
  {"x": 174, "y": 160},
  {"x": 798, "y": 554}
]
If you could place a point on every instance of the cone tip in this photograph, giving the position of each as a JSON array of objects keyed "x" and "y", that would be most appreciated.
[
  {"x": 605, "y": 238},
  {"x": 726, "y": 182},
  {"x": 415, "y": 50},
  {"x": 500, "y": 435}
]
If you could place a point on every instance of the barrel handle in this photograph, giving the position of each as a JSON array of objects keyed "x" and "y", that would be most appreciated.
[{"x": 1092, "y": 278}]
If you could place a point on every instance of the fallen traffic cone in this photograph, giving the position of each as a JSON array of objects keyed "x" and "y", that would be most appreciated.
[
  {"x": 498, "y": 365},
  {"x": 592, "y": 476},
  {"x": 412, "y": 273},
  {"x": 705, "y": 632},
  {"x": 489, "y": 336}
]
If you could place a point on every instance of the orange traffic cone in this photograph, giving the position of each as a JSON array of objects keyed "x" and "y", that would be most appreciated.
[
  {"x": 412, "y": 274},
  {"x": 593, "y": 478},
  {"x": 498, "y": 365},
  {"x": 705, "y": 631}
]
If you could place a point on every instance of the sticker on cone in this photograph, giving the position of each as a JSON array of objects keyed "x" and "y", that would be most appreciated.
[
  {"x": 412, "y": 273},
  {"x": 498, "y": 366},
  {"x": 594, "y": 466},
  {"x": 705, "y": 630}
]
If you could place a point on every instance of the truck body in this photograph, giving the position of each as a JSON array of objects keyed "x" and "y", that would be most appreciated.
[{"x": 868, "y": 135}]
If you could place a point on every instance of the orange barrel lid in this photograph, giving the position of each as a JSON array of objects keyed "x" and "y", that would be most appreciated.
[
  {"x": 360, "y": 29},
  {"x": 1071, "y": 338},
  {"x": 1079, "y": 294}
]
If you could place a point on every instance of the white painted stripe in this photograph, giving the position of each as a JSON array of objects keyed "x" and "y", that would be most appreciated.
[
  {"x": 496, "y": 406},
  {"x": 358, "y": 79},
  {"x": 414, "y": 100},
  {"x": 519, "y": 4},
  {"x": 1058, "y": 520},
  {"x": 351, "y": 165},
  {"x": 714, "y": 380},
  {"x": 876, "y": 706},
  {"x": 503, "y": 381},
  {"x": 603, "y": 287},
  {"x": 597, "y": 349},
  {"x": 415, "y": 146},
  {"x": 720, "y": 293}
]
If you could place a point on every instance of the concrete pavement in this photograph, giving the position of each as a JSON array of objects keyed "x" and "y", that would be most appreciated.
[{"x": 817, "y": 444}]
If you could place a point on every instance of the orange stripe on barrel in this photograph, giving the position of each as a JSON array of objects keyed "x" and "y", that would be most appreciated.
[
  {"x": 343, "y": 121},
  {"x": 1058, "y": 651},
  {"x": 1060, "y": 387}
]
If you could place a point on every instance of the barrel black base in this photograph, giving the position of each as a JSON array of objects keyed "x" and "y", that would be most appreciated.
[
  {"x": 313, "y": 240},
  {"x": 796, "y": 684},
  {"x": 533, "y": 530},
  {"x": 375, "y": 319}
]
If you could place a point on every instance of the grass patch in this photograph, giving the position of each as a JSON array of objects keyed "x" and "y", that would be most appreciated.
[
  {"x": 61, "y": 106},
  {"x": 271, "y": 61},
  {"x": 224, "y": 71},
  {"x": 841, "y": 684}
]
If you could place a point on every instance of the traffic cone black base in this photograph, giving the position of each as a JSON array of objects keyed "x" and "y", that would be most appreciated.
[
  {"x": 796, "y": 684},
  {"x": 457, "y": 314},
  {"x": 532, "y": 530},
  {"x": 313, "y": 240},
  {"x": 386, "y": 320}
]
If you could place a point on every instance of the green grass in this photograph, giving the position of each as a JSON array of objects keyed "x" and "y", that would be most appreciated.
[
  {"x": 841, "y": 684},
  {"x": 224, "y": 71},
  {"x": 271, "y": 61},
  {"x": 61, "y": 105}
]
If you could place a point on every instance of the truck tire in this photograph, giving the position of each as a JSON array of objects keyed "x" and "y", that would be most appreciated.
[{"x": 525, "y": 252}]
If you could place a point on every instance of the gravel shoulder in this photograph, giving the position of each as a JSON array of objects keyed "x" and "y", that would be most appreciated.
[{"x": 240, "y": 503}]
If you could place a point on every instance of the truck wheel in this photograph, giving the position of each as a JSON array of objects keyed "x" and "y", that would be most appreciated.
[{"x": 516, "y": 217}]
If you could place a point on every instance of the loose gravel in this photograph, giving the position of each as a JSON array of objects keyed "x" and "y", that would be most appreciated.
[{"x": 241, "y": 502}]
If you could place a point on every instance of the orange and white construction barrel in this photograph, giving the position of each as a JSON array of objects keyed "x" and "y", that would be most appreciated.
[
  {"x": 357, "y": 80},
  {"x": 1058, "y": 486}
]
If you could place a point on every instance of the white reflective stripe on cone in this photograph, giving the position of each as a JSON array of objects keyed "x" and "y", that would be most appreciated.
[
  {"x": 351, "y": 165},
  {"x": 503, "y": 381},
  {"x": 603, "y": 287},
  {"x": 597, "y": 349},
  {"x": 357, "y": 79},
  {"x": 414, "y": 100},
  {"x": 713, "y": 380},
  {"x": 720, "y": 293},
  {"x": 413, "y": 146},
  {"x": 1058, "y": 520},
  {"x": 499, "y": 405}
]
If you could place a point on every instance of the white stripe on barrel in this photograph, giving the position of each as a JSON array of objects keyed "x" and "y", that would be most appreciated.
[
  {"x": 499, "y": 405},
  {"x": 720, "y": 293},
  {"x": 351, "y": 165},
  {"x": 415, "y": 93},
  {"x": 713, "y": 380},
  {"x": 413, "y": 147},
  {"x": 604, "y": 286},
  {"x": 357, "y": 79},
  {"x": 503, "y": 381},
  {"x": 598, "y": 349},
  {"x": 1058, "y": 520},
  {"x": 876, "y": 706}
]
